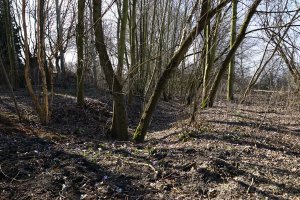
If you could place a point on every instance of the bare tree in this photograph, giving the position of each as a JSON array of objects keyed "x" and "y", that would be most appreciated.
[
  {"x": 231, "y": 72},
  {"x": 141, "y": 130},
  {"x": 42, "y": 108},
  {"x": 80, "y": 57},
  {"x": 242, "y": 33},
  {"x": 119, "y": 123}
]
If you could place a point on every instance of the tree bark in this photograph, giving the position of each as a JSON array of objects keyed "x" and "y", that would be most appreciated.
[
  {"x": 80, "y": 57},
  {"x": 41, "y": 108},
  {"x": 13, "y": 73},
  {"x": 121, "y": 43},
  {"x": 92, "y": 48},
  {"x": 61, "y": 57},
  {"x": 41, "y": 60},
  {"x": 231, "y": 70},
  {"x": 132, "y": 49},
  {"x": 207, "y": 63},
  {"x": 119, "y": 123}
]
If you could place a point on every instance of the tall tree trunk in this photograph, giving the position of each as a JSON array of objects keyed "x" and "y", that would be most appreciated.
[
  {"x": 242, "y": 33},
  {"x": 58, "y": 40},
  {"x": 41, "y": 58},
  {"x": 231, "y": 68},
  {"x": 92, "y": 48},
  {"x": 142, "y": 50},
  {"x": 143, "y": 125},
  {"x": 160, "y": 46},
  {"x": 119, "y": 109},
  {"x": 80, "y": 57},
  {"x": 119, "y": 123},
  {"x": 209, "y": 59},
  {"x": 153, "y": 69},
  {"x": 208, "y": 62},
  {"x": 132, "y": 49},
  {"x": 122, "y": 38},
  {"x": 59, "y": 54},
  {"x": 41, "y": 108},
  {"x": 13, "y": 72}
]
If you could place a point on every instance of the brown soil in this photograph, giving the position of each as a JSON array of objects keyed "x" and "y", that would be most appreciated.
[{"x": 233, "y": 151}]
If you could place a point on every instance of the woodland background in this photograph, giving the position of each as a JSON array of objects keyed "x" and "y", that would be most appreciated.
[{"x": 150, "y": 99}]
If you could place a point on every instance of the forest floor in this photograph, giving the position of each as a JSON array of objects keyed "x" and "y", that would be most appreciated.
[{"x": 232, "y": 151}]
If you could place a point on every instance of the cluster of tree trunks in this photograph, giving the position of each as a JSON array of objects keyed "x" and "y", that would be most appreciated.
[{"x": 141, "y": 62}]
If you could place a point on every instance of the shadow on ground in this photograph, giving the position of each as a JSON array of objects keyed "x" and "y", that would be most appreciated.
[
  {"x": 95, "y": 116},
  {"x": 32, "y": 167}
]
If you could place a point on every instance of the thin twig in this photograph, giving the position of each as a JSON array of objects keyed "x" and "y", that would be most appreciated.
[
  {"x": 12, "y": 179},
  {"x": 250, "y": 185},
  {"x": 136, "y": 163},
  {"x": 140, "y": 163}
]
